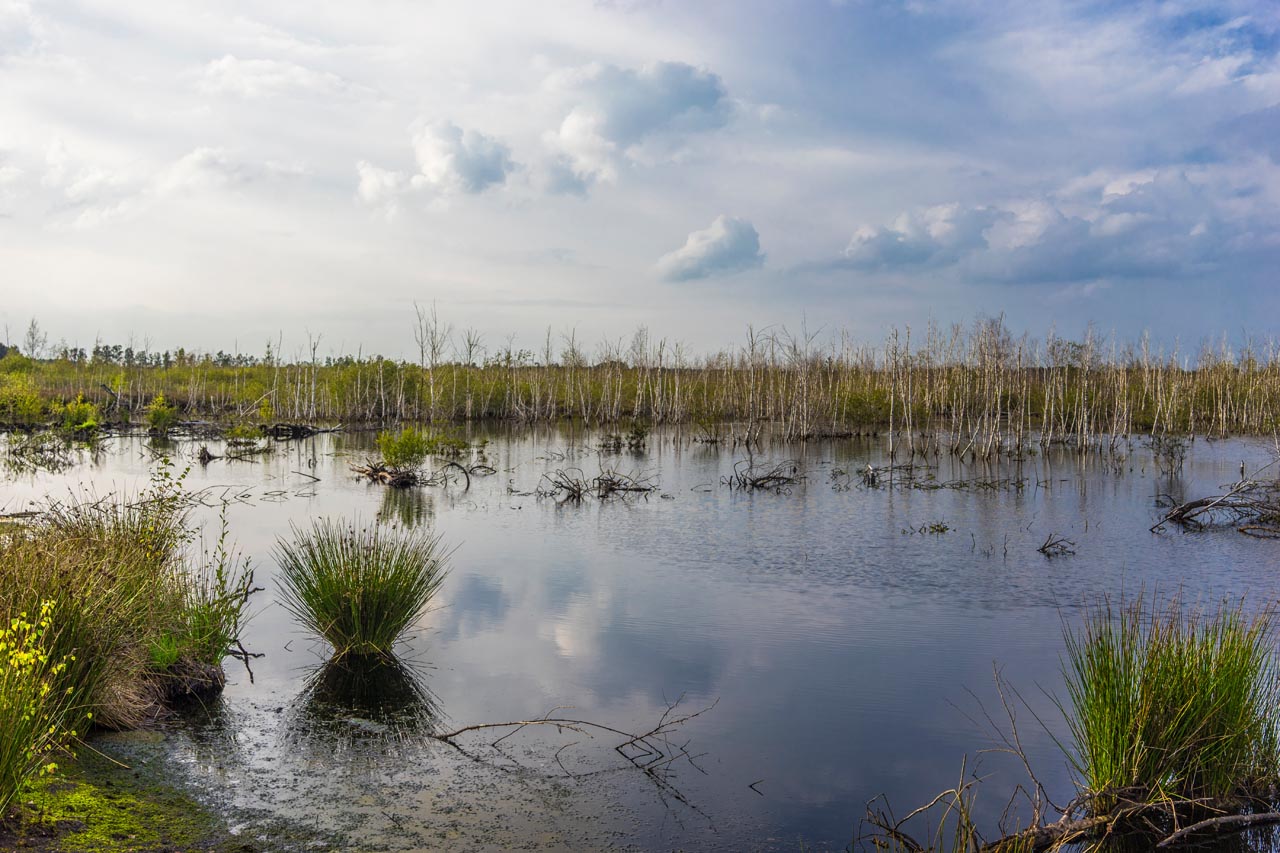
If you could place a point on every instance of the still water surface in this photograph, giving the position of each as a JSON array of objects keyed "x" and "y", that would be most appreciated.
[{"x": 847, "y": 652}]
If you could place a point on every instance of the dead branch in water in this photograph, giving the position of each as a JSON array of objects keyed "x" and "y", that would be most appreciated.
[
  {"x": 748, "y": 476},
  {"x": 1057, "y": 546},
  {"x": 403, "y": 478},
  {"x": 572, "y": 484},
  {"x": 652, "y": 751},
  {"x": 1250, "y": 503},
  {"x": 393, "y": 477}
]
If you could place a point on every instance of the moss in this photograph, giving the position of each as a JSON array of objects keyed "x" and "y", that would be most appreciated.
[{"x": 94, "y": 806}]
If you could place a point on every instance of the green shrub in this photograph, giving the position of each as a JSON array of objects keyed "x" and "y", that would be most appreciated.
[
  {"x": 15, "y": 362},
  {"x": 34, "y": 711},
  {"x": 242, "y": 433},
  {"x": 410, "y": 447},
  {"x": 161, "y": 416},
  {"x": 360, "y": 589},
  {"x": 79, "y": 417},
  {"x": 20, "y": 403}
]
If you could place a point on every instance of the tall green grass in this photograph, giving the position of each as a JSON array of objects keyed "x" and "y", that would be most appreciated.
[
  {"x": 125, "y": 582},
  {"x": 359, "y": 589},
  {"x": 1169, "y": 703}
]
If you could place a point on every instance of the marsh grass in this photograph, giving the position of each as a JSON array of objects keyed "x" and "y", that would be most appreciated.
[
  {"x": 1173, "y": 703},
  {"x": 129, "y": 595},
  {"x": 359, "y": 588},
  {"x": 1174, "y": 716}
]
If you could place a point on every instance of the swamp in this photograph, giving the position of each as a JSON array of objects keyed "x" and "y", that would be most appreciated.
[{"x": 680, "y": 638}]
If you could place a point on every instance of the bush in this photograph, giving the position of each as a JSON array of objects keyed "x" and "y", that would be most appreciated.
[
  {"x": 161, "y": 416},
  {"x": 20, "y": 403},
  {"x": 79, "y": 417},
  {"x": 34, "y": 710},
  {"x": 359, "y": 589},
  {"x": 410, "y": 447},
  {"x": 243, "y": 433}
]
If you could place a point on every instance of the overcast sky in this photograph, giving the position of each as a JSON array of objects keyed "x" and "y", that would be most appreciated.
[{"x": 216, "y": 174}]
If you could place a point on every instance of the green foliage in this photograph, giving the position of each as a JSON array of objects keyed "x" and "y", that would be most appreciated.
[
  {"x": 243, "y": 433},
  {"x": 161, "y": 416},
  {"x": 410, "y": 447},
  {"x": 164, "y": 652},
  {"x": 216, "y": 597},
  {"x": 20, "y": 403},
  {"x": 34, "y": 709},
  {"x": 79, "y": 417},
  {"x": 1179, "y": 705},
  {"x": 118, "y": 573},
  {"x": 360, "y": 589},
  {"x": 15, "y": 362}
]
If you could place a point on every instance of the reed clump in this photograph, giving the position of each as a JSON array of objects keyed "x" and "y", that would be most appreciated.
[
  {"x": 1170, "y": 704},
  {"x": 359, "y": 588},
  {"x": 107, "y": 619},
  {"x": 1174, "y": 716}
]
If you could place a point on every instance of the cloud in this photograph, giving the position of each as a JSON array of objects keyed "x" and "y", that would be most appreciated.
[
  {"x": 729, "y": 245},
  {"x": 452, "y": 159},
  {"x": 378, "y": 186},
  {"x": 1140, "y": 225},
  {"x": 90, "y": 192},
  {"x": 615, "y": 110},
  {"x": 208, "y": 167},
  {"x": 19, "y": 29},
  {"x": 253, "y": 79},
  {"x": 930, "y": 237},
  {"x": 560, "y": 178}
]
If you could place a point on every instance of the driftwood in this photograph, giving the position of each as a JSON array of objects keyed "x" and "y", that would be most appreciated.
[
  {"x": 403, "y": 478},
  {"x": 652, "y": 751},
  {"x": 394, "y": 477},
  {"x": 1057, "y": 546},
  {"x": 748, "y": 476},
  {"x": 1252, "y": 504},
  {"x": 292, "y": 432},
  {"x": 572, "y": 484},
  {"x": 205, "y": 456}
]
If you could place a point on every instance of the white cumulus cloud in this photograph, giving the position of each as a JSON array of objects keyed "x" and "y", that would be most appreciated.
[
  {"x": 452, "y": 159},
  {"x": 614, "y": 110},
  {"x": 728, "y": 245}
]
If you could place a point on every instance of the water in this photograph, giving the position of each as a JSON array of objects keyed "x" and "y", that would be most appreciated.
[{"x": 843, "y": 649}]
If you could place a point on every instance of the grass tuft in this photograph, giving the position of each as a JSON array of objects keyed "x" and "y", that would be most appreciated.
[
  {"x": 359, "y": 589},
  {"x": 1173, "y": 704}
]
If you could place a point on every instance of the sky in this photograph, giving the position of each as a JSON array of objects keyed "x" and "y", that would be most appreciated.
[{"x": 220, "y": 175}]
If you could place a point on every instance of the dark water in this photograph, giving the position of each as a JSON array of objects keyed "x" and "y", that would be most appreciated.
[{"x": 846, "y": 654}]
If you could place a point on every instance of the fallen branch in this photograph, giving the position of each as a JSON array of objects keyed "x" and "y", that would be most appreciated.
[{"x": 1248, "y": 500}]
